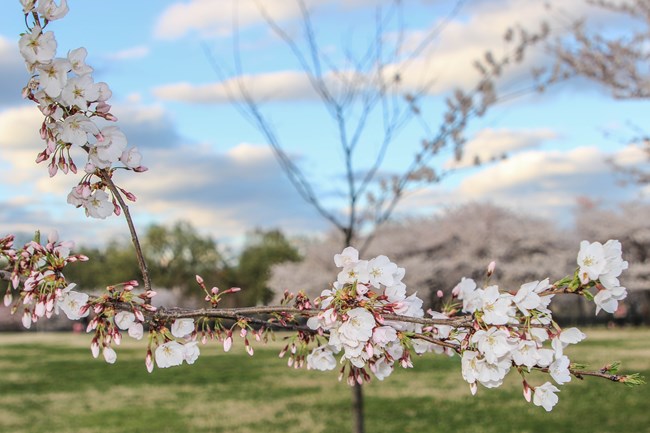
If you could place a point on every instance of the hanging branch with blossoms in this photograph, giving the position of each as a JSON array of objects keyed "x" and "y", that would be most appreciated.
[{"x": 364, "y": 324}]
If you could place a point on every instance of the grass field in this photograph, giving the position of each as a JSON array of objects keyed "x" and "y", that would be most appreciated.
[{"x": 50, "y": 383}]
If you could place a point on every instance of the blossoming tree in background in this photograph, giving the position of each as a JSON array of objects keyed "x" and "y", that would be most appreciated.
[{"x": 365, "y": 324}]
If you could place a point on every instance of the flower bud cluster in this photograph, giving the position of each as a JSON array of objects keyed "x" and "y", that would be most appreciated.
[
  {"x": 119, "y": 309},
  {"x": 72, "y": 102},
  {"x": 37, "y": 279}
]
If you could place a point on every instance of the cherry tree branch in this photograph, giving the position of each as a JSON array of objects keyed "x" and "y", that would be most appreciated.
[{"x": 142, "y": 264}]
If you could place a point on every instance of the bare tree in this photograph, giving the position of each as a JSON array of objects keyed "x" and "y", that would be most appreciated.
[
  {"x": 620, "y": 62},
  {"x": 368, "y": 86}
]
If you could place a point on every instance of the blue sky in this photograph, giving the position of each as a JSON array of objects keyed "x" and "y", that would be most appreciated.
[{"x": 209, "y": 166}]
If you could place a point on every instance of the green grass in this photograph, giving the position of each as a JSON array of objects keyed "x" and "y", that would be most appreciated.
[{"x": 50, "y": 383}]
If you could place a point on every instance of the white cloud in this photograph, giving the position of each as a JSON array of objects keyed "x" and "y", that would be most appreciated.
[
  {"x": 543, "y": 183},
  {"x": 209, "y": 17},
  {"x": 493, "y": 144},
  {"x": 282, "y": 86},
  {"x": 136, "y": 52},
  {"x": 215, "y": 18},
  {"x": 223, "y": 193},
  {"x": 445, "y": 64}
]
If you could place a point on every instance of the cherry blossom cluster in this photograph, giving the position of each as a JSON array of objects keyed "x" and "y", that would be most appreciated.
[
  {"x": 36, "y": 274},
  {"x": 75, "y": 109},
  {"x": 503, "y": 330},
  {"x": 352, "y": 316},
  {"x": 365, "y": 323},
  {"x": 603, "y": 263}
]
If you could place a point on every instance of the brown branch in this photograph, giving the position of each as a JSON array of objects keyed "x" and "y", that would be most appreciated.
[{"x": 106, "y": 178}]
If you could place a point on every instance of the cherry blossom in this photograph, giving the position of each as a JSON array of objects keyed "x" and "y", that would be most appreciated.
[
  {"x": 321, "y": 358},
  {"x": 51, "y": 11},
  {"x": 169, "y": 354},
  {"x": 182, "y": 327},
  {"x": 559, "y": 370},
  {"x": 72, "y": 303},
  {"x": 544, "y": 395},
  {"x": 77, "y": 59},
  {"x": 37, "y": 47},
  {"x": 53, "y": 76}
]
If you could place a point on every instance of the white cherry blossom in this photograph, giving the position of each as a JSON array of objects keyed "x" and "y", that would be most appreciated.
[
  {"x": 497, "y": 307},
  {"x": 182, "y": 327},
  {"x": 493, "y": 343},
  {"x": 559, "y": 370},
  {"x": 564, "y": 338},
  {"x": 75, "y": 129},
  {"x": 53, "y": 76},
  {"x": 98, "y": 205},
  {"x": 544, "y": 395},
  {"x": 191, "y": 352},
  {"x": 37, "y": 47},
  {"x": 527, "y": 297},
  {"x": 71, "y": 303},
  {"x": 381, "y": 270},
  {"x": 131, "y": 158},
  {"x": 51, "y": 11},
  {"x": 77, "y": 59},
  {"x": 608, "y": 299},
  {"x": 169, "y": 354},
  {"x": 124, "y": 319},
  {"x": 79, "y": 91},
  {"x": 357, "y": 329},
  {"x": 321, "y": 358},
  {"x": 348, "y": 257}
]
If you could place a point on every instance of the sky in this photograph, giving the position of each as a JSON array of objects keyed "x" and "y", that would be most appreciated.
[{"x": 209, "y": 166}]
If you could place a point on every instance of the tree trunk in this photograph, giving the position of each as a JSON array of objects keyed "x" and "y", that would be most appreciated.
[{"x": 357, "y": 408}]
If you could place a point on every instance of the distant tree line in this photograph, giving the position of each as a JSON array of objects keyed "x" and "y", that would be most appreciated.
[
  {"x": 175, "y": 254},
  {"x": 438, "y": 251}
]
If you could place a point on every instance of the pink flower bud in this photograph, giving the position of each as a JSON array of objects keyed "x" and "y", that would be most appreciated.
[
  {"x": 214, "y": 290},
  {"x": 102, "y": 107},
  {"x": 138, "y": 315},
  {"x": 73, "y": 167},
  {"x": 249, "y": 349},
  {"x": 491, "y": 268},
  {"x": 27, "y": 319},
  {"x": 227, "y": 344},
  {"x": 8, "y": 298},
  {"x": 473, "y": 388},
  {"x": 528, "y": 392},
  {"x": 243, "y": 332},
  {"x": 148, "y": 361},
  {"x": 140, "y": 169},
  {"x": 39, "y": 311},
  {"x": 52, "y": 169},
  {"x": 94, "y": 348},
  {"x": 440, "y": 294},
  {"x": 41, "y": 157},
  {"x": 199, "y": 279}
]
